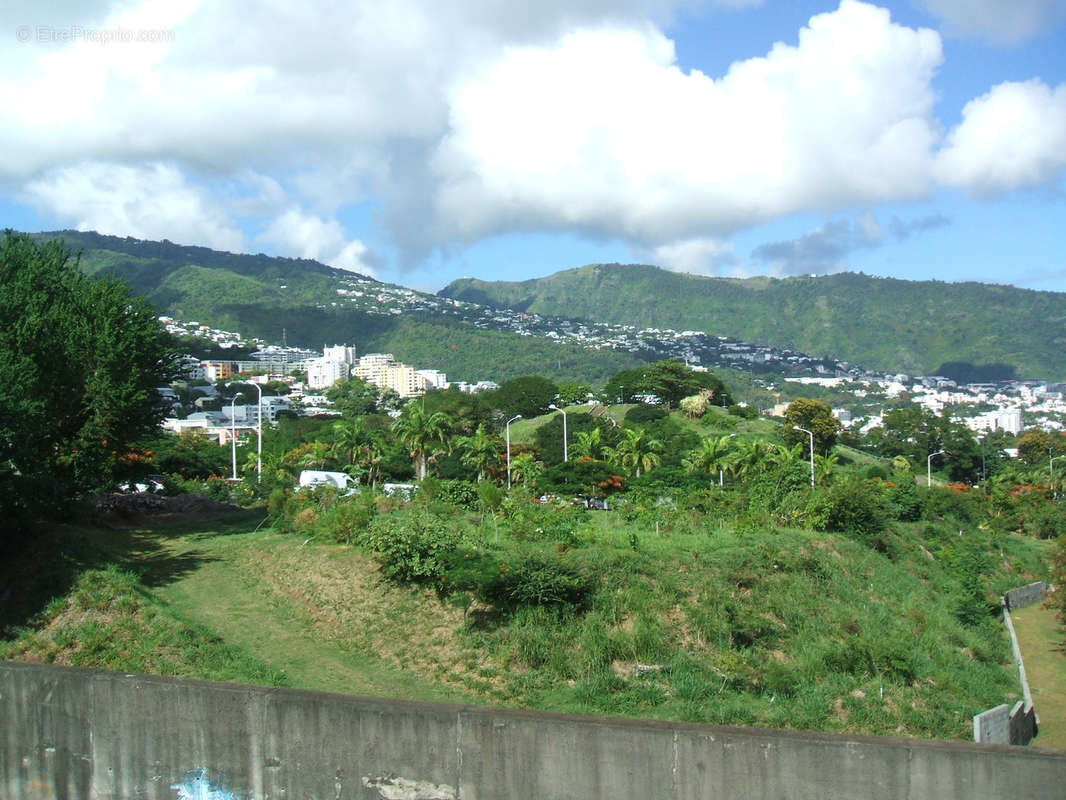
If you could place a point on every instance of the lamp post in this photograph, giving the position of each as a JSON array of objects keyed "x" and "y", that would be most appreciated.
[
  {"x": 259, "y": 442},
  {"x": 929, "y": 468},
  {"x": 809, "y": 433},
  {"x": 233, "y": 431},
  {"x": 1051, "y": 464},
  {"x": 507, "y": 427},
  {"x": 566, "y": 455}
]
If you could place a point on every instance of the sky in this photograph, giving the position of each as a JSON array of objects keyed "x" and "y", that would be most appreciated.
[{"x": 419, "y": 141}]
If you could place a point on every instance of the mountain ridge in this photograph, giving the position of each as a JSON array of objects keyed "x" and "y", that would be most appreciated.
[{"x": 882, "y": 323}]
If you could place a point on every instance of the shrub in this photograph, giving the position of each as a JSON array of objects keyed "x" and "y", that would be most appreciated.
[
  {"x": 853, "y": 507},
  {"x": 538, "y": 579},
  {"x": 463, "y": 494},
  {"x": 644, "y": 413},
  {"x": 412, "y": 545}
]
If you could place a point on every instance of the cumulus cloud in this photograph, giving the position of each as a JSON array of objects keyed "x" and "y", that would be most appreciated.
[
  {"x": 604, "y": 132},
  {"x": 152, "y": 201},
  {"x": 697, "y": 256},
  {"x": 1012, "y": 137},
  {"x": 468, "y": 118},
  {"x": 999, "y": 21},
  {"x": 308, "y": 236}
]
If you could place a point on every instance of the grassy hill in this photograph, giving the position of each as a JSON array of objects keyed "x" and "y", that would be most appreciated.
[
  {"x": 688, "y": 618},
  {"x": 880, "y": 323},
  {"x": 259, "y": 296}
]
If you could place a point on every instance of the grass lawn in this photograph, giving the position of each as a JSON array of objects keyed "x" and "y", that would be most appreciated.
[{"x": 1043, "y": 645}]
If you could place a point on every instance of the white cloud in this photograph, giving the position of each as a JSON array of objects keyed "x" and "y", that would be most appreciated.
[
  {"x": 602, "y": 131},
  {"x": 1012, "y": 137},
  {"x": 152, "y": 201},
  {"x": 999, "y": 21},
  {"x": 467, "y": 118},
  {"x": 697, "y": 256},
  {"x": 308, "y": 236}
]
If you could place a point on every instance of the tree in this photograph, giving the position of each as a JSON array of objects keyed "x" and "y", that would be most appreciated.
[
  {"x": 694, "y": 406},
  {"x": 529, "y": 396},
  {"x": 418, "y": 430},
  {"x": 361, "y": 445},
  {"x": 637, "y": 452},
  {"x": 481, "y": 451},
  {"x": 711, "y": 457},
  {"x": 588, "y": 444},
  {"x": 669, "y": 380},
  {"x": 1035, "y": 447},
  {"x": 816, "y": 417},
  {"x": 354, "y": 397},
  {"x": 572, "y": 393},
  {"x": 80, "y": 360}
]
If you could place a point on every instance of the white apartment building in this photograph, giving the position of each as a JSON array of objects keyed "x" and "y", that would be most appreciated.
[
  {"x": 435, "y": 379},
  {"x": 324, "y": 372},
  {"x": 381, "y": 369},
  {"x": 340, "y": 352}
]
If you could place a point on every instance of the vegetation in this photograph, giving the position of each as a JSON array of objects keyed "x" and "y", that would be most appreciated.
[
  {"x": 881, "y": 323},
  {"x": 79, "y": 363}
]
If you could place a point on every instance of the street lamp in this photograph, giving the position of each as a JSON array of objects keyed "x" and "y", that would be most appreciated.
[
  {"x": 809, "y": 433},
  {"x": 566, "y": 456},
  {"x": 1051, "y": 464},
  {"x": 508, "y": 429},
  {"x": 233, "y": 431},
  {"x": 259, "y": 442},
  {"x": 929, "y": 468}
]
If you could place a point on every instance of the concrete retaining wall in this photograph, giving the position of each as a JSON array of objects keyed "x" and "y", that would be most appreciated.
[
  {"x": 72, "y": 733},
  {"x": 1025, "y": 595}
]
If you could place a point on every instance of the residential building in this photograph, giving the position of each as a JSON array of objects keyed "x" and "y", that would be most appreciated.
[
  {"x": 381, "y": 369},
  {"x": 215, "y": 371}
]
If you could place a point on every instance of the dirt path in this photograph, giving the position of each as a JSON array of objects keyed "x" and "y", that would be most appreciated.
[
  {"x": 230, "y": 602},
  {"x": 1042, "y": 641}
]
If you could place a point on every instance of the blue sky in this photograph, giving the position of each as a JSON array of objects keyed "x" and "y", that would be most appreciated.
[{"x": 423, "y": 141}]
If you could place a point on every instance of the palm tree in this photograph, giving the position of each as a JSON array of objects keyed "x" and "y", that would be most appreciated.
[
  {"x": 636, "y": 452},
  {"x": 784, "y": 457},
  {"x": 588, "y": 444},
  {"x": 481, "y": 450},
  {"x": 710, "y": 457},
  {"x": 823, "y": 467},
  {"x": 525, "y": 469},
  {"x": 418, "y": 431},
  {"x": 748, "y": 458},
  {"x": 362, "y": 445}
]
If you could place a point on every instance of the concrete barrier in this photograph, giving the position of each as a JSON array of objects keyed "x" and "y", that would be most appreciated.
[
  {"x": 1025, "y": 595},
  {"x": 74, "y": 733}
]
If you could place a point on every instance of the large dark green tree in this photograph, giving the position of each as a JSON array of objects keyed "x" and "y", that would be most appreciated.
[
  {"x": 80, "y": 360},
  {"x": 816, "y": 417},
  {"x": 669, "y": 380},
  {"x": 529, "y": 396}
]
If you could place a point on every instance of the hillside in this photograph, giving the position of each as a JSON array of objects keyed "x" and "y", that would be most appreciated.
[
  {"x": 261, "y": 296},
  {"x": 879, "y": 323}
]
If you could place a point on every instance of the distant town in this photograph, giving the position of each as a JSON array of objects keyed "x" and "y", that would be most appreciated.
[{"x": 859, "y": 395}]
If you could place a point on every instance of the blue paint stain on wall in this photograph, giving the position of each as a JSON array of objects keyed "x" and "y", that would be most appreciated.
[{"x": 198, "y": 786}]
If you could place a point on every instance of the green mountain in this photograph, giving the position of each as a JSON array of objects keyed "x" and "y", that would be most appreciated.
[
  {"x": 878, "y": 323},
  {"x": 262, "y": 296}
]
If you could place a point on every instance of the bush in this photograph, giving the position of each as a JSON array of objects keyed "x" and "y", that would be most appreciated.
[
  {"x": 744, "y": 412},
  {"x": 853, "y": 507},
  {"x": 462, "y": 494},
  {"x": 538, "y": 579},
  {"x": 644, "y": 413},
  {"x": 412, "y": 545}
]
